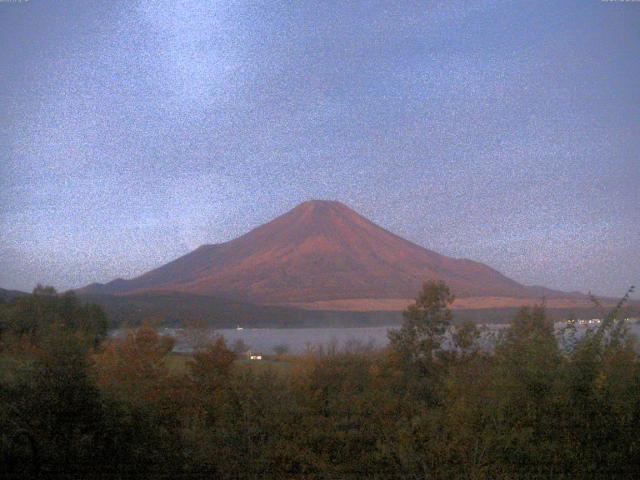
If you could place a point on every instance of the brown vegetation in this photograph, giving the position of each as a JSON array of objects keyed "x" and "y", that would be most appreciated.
[
  {"x": 465, "y": 303},
  {"x": 77, "y": 405}
]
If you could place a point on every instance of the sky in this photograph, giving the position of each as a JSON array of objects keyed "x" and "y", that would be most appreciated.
[{"x": 131, "y": 132}]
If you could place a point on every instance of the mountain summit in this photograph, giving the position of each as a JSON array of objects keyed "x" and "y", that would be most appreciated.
[{"x": 319, "y": 251}]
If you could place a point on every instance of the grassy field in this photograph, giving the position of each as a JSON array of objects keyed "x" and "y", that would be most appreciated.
[{"x": 178, "y": 363}]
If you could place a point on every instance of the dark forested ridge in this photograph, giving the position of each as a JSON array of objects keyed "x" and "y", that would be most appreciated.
[
  {"x": 178, "y": 309},
  {"x": 7, "y": 295},
  {"x": 77, "y": 404}
]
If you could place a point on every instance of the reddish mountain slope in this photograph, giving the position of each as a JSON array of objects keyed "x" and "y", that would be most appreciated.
[{"x": 320, "y": 250}]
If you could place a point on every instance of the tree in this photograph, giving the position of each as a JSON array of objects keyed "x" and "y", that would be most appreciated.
[
  {"x": 52, "y": 406},
  {"x": 132, "y": 372},
  {"x": 210, "y": 368},
  {"x": 524, "y": 391},
  {"x": 239, "y": 347},
  {"x": 465, "y": 338},
  {"x": 134, "y": 367},
  {"x": 424, "y": 327},
  {"x": 281, "y": 350},
  {"x": 31, "y": 315}
]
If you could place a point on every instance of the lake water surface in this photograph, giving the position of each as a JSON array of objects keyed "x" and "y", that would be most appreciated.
[{"x": 297, "y": 340}]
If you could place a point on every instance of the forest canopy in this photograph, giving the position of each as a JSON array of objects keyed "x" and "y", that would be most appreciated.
[{"x": 435, "y": 403}]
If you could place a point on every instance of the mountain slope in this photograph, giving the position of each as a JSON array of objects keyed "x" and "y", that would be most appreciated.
[
  {"x": 320, "y": 250},
  {"x": 8, "y": 295}
]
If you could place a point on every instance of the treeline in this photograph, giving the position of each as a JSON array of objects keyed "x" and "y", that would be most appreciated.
[
  {"x": 175, "y": 309},
  {"x": 75, "y": 403}
]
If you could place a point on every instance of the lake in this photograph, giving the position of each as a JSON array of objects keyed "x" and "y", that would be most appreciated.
[{"x": 297, "y": 340}]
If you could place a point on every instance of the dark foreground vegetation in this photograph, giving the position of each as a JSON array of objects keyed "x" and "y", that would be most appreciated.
[{"x": 74, "y": 403}]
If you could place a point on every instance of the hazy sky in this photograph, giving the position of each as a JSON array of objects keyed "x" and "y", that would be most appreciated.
[{"x": 506, "y": 132}]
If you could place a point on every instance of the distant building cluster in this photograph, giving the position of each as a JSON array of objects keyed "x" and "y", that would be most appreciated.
[{"x": 593, "y": 321}]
